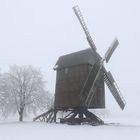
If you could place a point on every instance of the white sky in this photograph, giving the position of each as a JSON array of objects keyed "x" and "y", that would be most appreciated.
[{"x": 37, "y": 32}]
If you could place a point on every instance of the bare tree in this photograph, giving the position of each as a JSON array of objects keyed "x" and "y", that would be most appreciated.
[{"x": 22, "y": 90}]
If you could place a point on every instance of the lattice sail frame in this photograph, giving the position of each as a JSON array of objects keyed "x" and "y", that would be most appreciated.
[{"x": 108, "y": 78}]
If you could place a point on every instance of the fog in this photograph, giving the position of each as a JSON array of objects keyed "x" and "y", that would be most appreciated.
[{"x": 37, "y": 32}]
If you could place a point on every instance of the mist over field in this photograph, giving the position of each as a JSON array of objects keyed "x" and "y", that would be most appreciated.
[{"x": 37, "y": 32}]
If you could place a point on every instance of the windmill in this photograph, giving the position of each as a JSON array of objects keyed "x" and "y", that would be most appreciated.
[{"x": 80, "y": 83}]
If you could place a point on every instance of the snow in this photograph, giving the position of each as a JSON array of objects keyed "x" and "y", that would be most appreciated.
[{"x": 128, "y": 129}]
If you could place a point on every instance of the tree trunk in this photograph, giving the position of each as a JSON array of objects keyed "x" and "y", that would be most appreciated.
[{"x": 21, "y": 114}]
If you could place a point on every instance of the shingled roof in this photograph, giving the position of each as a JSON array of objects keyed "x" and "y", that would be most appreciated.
[{"x": 81, "y": 57}]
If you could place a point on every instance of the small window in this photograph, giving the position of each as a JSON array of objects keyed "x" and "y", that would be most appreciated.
[{"x": 66, "y": 70}]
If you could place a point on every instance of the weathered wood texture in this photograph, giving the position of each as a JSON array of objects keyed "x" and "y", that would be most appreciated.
[{"x": 69, "y": 83}]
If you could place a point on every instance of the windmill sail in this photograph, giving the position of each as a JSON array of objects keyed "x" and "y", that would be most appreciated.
[
  {"x": 91, "y": 84},
  {"x": 92, "y": 91},
  {"x": 111, "y": 84},
  {"x": 83, "y": 24},
  {"x": 111, "y": 49},
  {"x": 88, "y": 83}
]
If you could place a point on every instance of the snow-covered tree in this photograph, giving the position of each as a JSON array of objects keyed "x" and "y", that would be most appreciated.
[{"x": 22, "y": 90}]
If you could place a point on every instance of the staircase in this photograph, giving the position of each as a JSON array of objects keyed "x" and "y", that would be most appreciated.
[{"x": 48, "y": 116}]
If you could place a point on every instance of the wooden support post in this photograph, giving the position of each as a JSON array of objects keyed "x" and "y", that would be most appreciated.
[{"x": 55, "y": 115}]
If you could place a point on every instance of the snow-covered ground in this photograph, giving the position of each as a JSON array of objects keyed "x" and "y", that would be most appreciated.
[{"x": 128, "y": 129}]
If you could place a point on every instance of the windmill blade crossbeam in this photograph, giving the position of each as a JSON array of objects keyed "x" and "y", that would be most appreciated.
[
  {"x": 112, "y": 85},
  {"x": 83, "y": 24}
]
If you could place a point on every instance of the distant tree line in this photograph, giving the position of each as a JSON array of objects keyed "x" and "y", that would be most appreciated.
[{"x": 23, "y": 91}]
